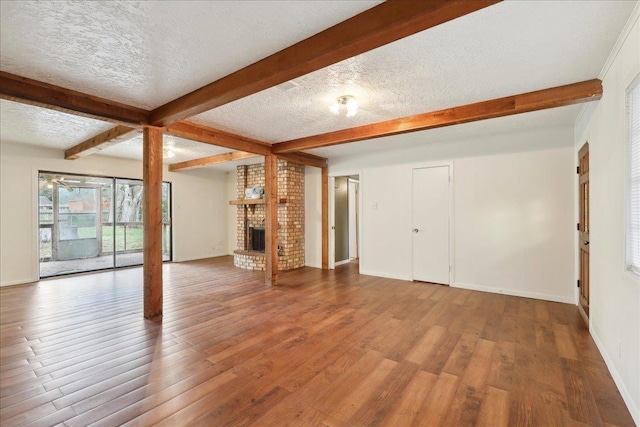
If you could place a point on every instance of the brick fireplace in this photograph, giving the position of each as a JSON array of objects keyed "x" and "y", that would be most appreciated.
[{"x": 250, "y": 223}]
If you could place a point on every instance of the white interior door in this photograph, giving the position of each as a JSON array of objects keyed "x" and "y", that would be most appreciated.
[{"x": 431, "y": 224}]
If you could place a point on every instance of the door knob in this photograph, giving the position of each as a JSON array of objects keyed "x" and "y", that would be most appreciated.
[
  {"x": 586, "y": 243},
  {"x": 415, "y": 230}
]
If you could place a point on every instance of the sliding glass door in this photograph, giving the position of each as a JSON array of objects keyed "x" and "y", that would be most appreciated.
[{"x": 89, "y": 223}]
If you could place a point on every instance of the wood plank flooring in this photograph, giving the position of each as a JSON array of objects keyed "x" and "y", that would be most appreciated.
[{"x": 326, "y": 348}]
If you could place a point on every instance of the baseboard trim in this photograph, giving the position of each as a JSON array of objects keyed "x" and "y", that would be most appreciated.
[
  {"x": 385, "y": 275},
  {"x": 313, "y": 265},
  {"x": 346, "y": 261},
  {"x": 18, "y": 282},
  {"x": 584, "y": 316},
  {"x": 626, "y": 396},
  {"x": 199, "y": 257},
  {"x": 514, "y": 292}
]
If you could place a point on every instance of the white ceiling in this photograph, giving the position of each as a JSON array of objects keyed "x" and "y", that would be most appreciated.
[
  {"x": 148, "y": 53},
  {"x": 506, "y": 49}
]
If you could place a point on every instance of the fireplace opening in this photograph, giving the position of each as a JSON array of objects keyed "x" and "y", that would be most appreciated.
[{"x": 256, "y": 241}]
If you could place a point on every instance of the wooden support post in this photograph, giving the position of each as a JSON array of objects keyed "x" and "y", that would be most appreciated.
[
  {"x": 325, "y": 218},
  {"x": 152, "y": 264},
  {"x": 271, "y": 219}
]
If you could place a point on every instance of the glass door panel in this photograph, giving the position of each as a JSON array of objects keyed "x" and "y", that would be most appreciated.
[
  {"x": 71, "y": 210},
  {"x": 129, "y": 222},
  {"x": 166, "y": 222}
]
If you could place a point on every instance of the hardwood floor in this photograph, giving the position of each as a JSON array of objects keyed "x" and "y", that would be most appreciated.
[{"x": 325, "y": 348}]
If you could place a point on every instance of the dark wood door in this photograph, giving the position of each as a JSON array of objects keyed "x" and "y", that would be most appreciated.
[{"x": 583, "y": 225}]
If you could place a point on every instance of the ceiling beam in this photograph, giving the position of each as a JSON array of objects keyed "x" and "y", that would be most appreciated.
[
  {"x": 378, "y": 26},
  {"x": 300, "y": 158},
  {"x": 559, "y": 96},
  {"x": 304, "y": 159},
  {"x": 33, "y": 92},
  {"x": 217, "y": 137},
  {"x": 106, "y": 139},
  {"x": 212, "y": 160}
]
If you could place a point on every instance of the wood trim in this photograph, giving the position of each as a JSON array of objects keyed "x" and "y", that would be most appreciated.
[
  {"x": 152, "y": 261},
  {"x": 325, "y": 218},
  {"x": 217, "y": 137},
  {"x": 33, "y": 92},
  {"x": 212, "y": 160},
  {"x": 271, "y": 219},
  {"x": 254, "y": 201},
  {"x": 300, "y": 158},
  {"x": 305, "y": 159},
  {"x": 380, "y": 25},
  {"x": 99, "y": 142},
  {"x": 575, "y": 93}
]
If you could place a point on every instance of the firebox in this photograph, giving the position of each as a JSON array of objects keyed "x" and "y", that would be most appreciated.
[{"x": 256, "y": 239}]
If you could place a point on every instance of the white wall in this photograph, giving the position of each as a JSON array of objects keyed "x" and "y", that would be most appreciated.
[
  {"x": 313, "y": 217},
  {"x": 513, "y": 221},
  {"x": 232, "y": 212},
  {"x": 199, "y": 200},
  {"x": 615, "y": 293}
]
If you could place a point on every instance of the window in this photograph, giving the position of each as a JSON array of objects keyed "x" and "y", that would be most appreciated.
[
  {"x": 633, "y": 183},
  {"x": 89, "y": 223}
]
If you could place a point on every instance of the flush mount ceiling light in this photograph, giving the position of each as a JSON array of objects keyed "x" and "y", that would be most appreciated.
[{"x": 345, "y": 103}]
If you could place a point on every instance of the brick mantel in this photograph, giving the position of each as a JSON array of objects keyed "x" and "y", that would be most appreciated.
[{"x": 290, "y": 216}]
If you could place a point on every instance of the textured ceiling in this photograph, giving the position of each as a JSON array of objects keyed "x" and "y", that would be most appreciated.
[
  {"x": 183, "y": 149},
  {"x": 26, "y": 124},
  {"x": 509, "y": 48},
  {"x": 148, "y": 53}
]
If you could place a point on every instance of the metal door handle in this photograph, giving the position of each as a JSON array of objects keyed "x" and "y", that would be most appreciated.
[
  {"x": 415, "y": 230},
  {"x": 586, "y": 243}
]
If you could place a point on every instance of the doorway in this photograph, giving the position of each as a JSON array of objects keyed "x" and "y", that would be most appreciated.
[
  {"x": 89, "y": 223},
  {"x": 345, "y": 219},
  {"x": 431, "y": 226},
  {"x": 583, "y": 228}
]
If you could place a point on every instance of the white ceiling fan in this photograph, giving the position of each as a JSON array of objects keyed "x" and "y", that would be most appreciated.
[{"x": 50, "y": 180}]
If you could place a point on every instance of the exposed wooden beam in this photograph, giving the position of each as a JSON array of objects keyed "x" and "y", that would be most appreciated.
[
  {"x": 211, "y": 160},
  {"x": 29, "y": 91},
  {"x": 271, "y": 219},
  {"x": 152, "y": 217},
  {"x": 380, "y": 25},
  {"x": 99, "y": 142},
  {"x": 575, "y": 93},
  {"x": 325, "y": 218},
  {"x": 217, "y": 137},
  {"x": 304, "y": 159}
]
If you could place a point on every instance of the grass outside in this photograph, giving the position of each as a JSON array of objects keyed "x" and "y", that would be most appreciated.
[
  {"x": 132, "y": 236},
  {"x": 134, "y": 239}
]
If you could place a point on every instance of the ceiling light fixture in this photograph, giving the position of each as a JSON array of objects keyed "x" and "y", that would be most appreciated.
[{"x": 345, "y": 103}]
